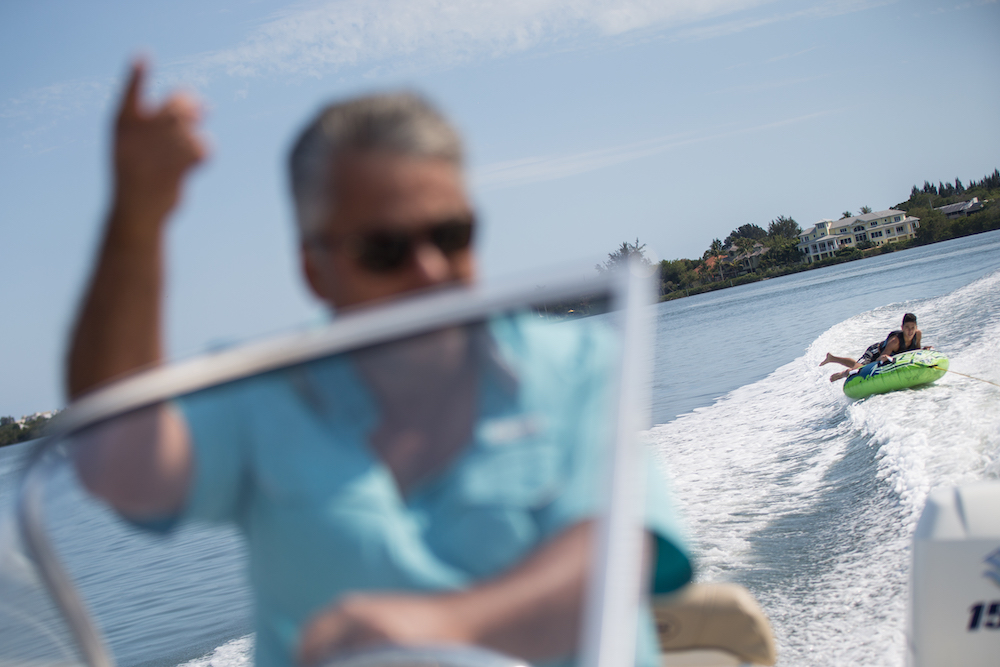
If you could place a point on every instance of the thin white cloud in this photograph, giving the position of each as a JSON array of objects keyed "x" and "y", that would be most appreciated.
[
  {"x": 546, "y": 168},
  {"x": 323, "y": 36},
  {"x": 820, "y": 10},
  {"x": 763, "y": 86},
  {"x": 60, "y": 99},
  {"x": 538, "y": 169},
  {"x": 769, "y": 61},
  {"x": 27, "y": 119},
  {"x": 785, "y": 56}
]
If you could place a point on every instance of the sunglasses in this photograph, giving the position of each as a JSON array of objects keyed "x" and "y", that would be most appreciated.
[{"x": 388, "y": 250}]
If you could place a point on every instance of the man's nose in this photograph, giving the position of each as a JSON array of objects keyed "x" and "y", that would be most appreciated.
[{"x": 430, "y": 264}]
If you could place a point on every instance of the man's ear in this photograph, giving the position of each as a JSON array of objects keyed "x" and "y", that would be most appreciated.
[{"x": 312, "y": 272}]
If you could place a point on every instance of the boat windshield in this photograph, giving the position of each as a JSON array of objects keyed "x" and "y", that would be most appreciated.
[
  {"x": 207, "y": 512},
  {"x": 32, "y": 629}
]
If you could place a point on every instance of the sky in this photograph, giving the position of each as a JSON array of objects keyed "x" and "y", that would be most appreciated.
[{"x": 587, "y": 123}]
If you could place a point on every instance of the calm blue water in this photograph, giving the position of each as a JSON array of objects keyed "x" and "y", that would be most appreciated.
[{"x": 788, "y": 488}]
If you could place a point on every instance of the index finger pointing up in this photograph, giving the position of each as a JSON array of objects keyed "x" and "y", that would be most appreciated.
[{"x": 132, "y": 99}]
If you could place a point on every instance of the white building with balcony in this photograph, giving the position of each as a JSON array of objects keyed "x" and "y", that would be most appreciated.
[{"x": 824, "y": 238}]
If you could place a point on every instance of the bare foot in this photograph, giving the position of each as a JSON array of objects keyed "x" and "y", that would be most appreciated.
[
  {"x": 838, "y": 376},
  {"x": 829, "y": 359}
]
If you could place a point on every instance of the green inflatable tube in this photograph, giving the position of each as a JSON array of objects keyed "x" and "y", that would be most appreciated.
[{"x": 907, "y": 369}]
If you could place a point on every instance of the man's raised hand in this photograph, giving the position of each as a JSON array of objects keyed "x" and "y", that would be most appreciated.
[
  {"x": 118, "y": 330},
  {"x": 154, "y": 148}
]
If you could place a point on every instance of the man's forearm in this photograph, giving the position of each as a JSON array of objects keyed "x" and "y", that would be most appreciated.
[
  {"x": 533, "y": 611},
  {"x": 118, "y": 327},
  {"x": 117, "y": 331}
]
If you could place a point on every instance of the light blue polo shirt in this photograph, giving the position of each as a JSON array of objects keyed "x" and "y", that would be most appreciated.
[{"x": 285, "y": 456}]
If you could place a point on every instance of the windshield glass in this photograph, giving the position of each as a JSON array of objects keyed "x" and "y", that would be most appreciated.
[
  {"x": 218, "y": 524},
  {"x": 32, "y": 630}
]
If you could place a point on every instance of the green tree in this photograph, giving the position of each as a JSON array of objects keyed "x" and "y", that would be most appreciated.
[
  {"x": 716, "y": 248},
  {"x": 748, "y": 231},
  {"x": 846, "y": 214},
  {"x": 744, "y": 244},
  {"x": 677, "y": 274},
  {"x": 934, "y": 226},
  {"x": 781, "y": 251},
  {"x": 865, "y": 210},
  {"x": 627, "y": 253},
  {"x": 783, "y": 227},
  {"x": 10, "y": 433}
]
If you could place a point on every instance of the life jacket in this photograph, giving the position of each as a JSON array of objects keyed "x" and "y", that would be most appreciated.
[{"x": 901, "y": 345}]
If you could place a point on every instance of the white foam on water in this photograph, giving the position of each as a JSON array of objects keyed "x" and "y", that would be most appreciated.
[
  {"x": 951, "y": 434},
  {"x": 235, "y": 653},
  {"x": 810, "y": 499}
]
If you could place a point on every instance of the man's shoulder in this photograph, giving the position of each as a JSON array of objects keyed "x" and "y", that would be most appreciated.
[
  {"x": 561, "y": 342},
  {"x": 243, "y": 394},
  {"x": 556, "y": 353}
]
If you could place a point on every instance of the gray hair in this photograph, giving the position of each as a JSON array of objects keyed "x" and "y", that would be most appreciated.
[{"x": 403, "y": 123}]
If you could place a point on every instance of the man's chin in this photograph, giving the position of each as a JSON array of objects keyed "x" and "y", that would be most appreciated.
[{"x": 345, "y": 306}]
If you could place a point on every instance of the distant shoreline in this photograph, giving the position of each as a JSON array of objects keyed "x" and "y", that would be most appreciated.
[
  {"x": 939, "y": 213},
  {"x": 15, "y": 431},
  {"x": 777, "y": 272}
]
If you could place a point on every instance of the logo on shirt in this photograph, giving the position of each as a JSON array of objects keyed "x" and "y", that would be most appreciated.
[{"x": 509, "y": 429}]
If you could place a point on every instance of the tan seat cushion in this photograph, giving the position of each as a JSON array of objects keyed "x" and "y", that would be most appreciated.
[{"x": 720, "y": 617}]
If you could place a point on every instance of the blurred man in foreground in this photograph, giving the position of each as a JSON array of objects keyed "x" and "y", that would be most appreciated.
[{"x": 338, "y": 558}]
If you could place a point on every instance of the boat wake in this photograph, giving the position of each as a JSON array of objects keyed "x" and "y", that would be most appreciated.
[
  {"x": 810, "y": 499},
  {"x": 235, "y": 653}
]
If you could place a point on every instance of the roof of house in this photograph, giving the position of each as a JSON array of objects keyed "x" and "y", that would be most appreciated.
[
  {"x": 958, "y": 207},
  {"x": 826, "y": 226},
  {"x": 757, "y": 250},
  {"x": 710, "y": 262},
  {"x": 818, "y": 227},
  {"x": 868, "y": 217}
]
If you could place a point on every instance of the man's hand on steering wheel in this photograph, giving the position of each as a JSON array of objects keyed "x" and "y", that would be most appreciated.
[{"x": 362, "y": 621}]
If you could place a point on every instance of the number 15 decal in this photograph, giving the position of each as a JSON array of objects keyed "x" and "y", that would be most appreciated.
[{"x": 992, "y": 619}]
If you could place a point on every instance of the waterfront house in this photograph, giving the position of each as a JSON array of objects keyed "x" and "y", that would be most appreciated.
[
  {"x": 750, "y": 260},
  {"x": 824, "y": 238},
  {"x": 961, "y": 209}
]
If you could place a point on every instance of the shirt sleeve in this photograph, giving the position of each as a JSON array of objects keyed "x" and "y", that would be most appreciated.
[
  {"x": 582, "y": 499},
  {"x": 588, "y": 432},
  {"x": 672, "y": 568},
  {"x": 218, "y": 434}
]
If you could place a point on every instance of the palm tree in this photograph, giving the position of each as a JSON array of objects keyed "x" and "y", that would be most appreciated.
[
  {"x": 865, "y": 210},
  {"x": 846, "y": 214}
]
